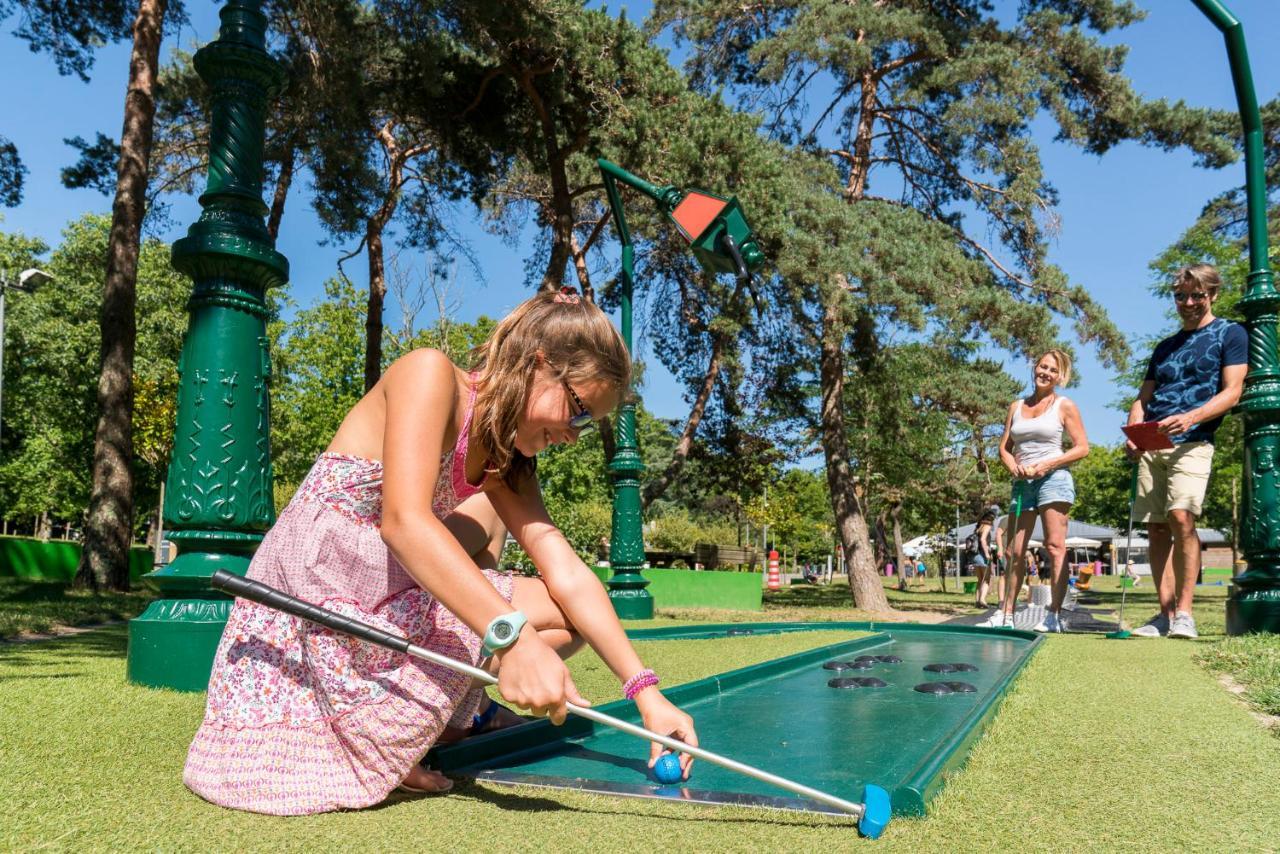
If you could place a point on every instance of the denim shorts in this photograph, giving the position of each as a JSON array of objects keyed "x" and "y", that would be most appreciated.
[{"x": 1055, "y": 487}]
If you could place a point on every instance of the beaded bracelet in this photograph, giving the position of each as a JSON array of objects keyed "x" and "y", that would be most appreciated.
[{"x": 644, "y": 679}]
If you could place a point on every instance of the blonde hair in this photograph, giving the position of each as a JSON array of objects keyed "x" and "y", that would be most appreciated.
[
  {"x": 1064, "y": 364},
  {"x": 1204, "y": 276},
  {"x": 578, "y": 345}
]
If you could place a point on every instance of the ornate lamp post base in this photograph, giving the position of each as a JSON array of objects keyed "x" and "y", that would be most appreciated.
[
  {"x": 172, "y": 643},
  {"x": 1253, "y": 611}
]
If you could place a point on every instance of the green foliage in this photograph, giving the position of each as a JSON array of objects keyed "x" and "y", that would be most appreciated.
[
  {"x": 50, "y": 371},
  {"x": 12, "y": 174},
  {"x": 798, "y": 513},
  {"x": 72, "y": 30},
  {"x": 1102, "y": 487},
  {"x": 319, "y": 377},
  {"x": 96, "y": 167}
]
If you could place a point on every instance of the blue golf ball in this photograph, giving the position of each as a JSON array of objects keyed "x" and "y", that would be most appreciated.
[{"x": 667, "y": 768}]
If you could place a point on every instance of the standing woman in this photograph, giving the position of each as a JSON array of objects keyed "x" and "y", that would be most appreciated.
[{"x": 1032, "y": 452}]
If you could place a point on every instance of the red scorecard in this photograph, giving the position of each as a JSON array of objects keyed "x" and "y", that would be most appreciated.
[{"x": 1147, "y": 436}]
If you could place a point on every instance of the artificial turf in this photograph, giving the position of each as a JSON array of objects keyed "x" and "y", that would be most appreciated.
[{"x": 1100, "y": 745}]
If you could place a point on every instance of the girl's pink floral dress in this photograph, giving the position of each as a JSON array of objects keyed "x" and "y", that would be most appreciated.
[{"x": 301, "y": 719}]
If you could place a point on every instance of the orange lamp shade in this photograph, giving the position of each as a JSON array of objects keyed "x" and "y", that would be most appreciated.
[{"x": 696, "y": 212}]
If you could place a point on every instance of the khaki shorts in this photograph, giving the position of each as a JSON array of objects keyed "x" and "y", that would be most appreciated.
[{"x": 1172, "y": 479}]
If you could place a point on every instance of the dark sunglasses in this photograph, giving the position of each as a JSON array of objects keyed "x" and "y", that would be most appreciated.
[
  {"x": 583, "y": 418},
  {"x": 1194, "y": 296}
]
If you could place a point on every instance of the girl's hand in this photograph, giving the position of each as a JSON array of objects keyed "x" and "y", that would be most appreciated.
[
  {"x": 662, "y": 717},
  {"x": 532, "y": 676}
]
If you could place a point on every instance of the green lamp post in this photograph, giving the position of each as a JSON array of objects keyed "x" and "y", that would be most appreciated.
[
  {"x": 218, "y": 493},
  {"x": 721, "y": 240},
  {"x": 1254, "y": 601}
]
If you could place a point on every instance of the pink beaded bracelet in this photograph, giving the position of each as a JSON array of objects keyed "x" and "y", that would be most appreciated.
[{"x": 644, "y": 679}]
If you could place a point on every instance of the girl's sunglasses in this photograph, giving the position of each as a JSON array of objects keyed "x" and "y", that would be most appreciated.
[{"x": 582, "y": 419}]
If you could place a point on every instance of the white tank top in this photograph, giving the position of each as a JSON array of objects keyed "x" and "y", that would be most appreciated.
[{"x": 1039, "y": 438}]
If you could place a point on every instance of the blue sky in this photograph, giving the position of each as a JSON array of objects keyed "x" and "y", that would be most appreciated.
[{"x": 1118, "y": 211}]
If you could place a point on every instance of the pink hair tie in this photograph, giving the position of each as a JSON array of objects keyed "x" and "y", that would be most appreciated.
[
  {"x": 644, "y": 679},
  {"x": 568, "y": 296}
]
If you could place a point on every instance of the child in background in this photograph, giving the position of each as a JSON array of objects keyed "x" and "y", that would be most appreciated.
[{"x": 401, "y": 524}]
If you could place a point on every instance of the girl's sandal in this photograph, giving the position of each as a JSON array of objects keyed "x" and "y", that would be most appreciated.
[{"x": 416, "y": 790}]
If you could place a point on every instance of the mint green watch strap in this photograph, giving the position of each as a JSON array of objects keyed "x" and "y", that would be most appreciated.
[{"x": 503, "y": 631}]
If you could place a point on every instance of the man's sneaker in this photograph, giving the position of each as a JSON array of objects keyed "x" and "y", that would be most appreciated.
[
  {"x": 1183, "y": 626},
  {"x": 995, "y": 621},
  {"x": 1156, "y": 627},
  {"x": 1052, "y": 623}
]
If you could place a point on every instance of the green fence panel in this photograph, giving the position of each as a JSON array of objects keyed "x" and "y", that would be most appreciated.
[
  {"x": 687, "y": 588},
  {"x": 56, "y": 560}
]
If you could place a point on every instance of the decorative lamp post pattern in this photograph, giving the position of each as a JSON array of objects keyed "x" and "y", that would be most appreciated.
[
  {"x": 1254, "y": 602},
  {"x": 218, "y": 493},
  {"x": 721, "y": 240}
]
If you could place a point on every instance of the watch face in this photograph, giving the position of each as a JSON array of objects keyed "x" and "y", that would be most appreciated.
[{"x": 502, "y": 631}]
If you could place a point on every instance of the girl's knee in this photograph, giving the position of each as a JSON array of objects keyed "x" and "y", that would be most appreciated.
[{"x": 563, "y": 641}]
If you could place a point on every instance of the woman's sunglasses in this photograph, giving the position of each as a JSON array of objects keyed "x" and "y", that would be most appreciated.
[{"x": 582, "y": 419}]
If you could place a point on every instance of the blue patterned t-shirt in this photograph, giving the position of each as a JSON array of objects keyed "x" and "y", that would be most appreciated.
[{"x": 1187, "y": 369}]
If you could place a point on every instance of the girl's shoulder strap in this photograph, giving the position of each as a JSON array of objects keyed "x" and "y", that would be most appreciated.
[{"x": 471, "y": 408}]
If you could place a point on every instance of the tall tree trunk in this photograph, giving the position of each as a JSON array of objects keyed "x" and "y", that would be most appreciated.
[
  {"x": 880, "y": 538},
  {"x": 282, "y": 192},
  {"x": 851, "y": 522},
  {"x": 656, "y": 487},
  {"x": 851, "y": 525},
  {"x": 373, "y": 310},
  {"x": 896, "y": 514},
  {"x": 108, "y": 529},
  {"x": 580, "y": 266},
  {"x": 397, "y": 157},
  {"x": 561, "y": 210}
]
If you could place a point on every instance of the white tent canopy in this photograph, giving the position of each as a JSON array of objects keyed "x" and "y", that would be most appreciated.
[
  {"x": 1082, "y": 543},
  {"x": 922, "y": 545}
]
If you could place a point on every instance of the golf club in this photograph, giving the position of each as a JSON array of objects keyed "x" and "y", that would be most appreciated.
[
  {"x": 1121, "y": 633},
  {"x": 872, "y": 814}
]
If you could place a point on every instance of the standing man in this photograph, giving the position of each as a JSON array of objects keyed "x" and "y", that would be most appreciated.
[{"x": 1194, "y": 377}]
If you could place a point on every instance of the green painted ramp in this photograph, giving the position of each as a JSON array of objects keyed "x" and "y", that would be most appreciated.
[{"x": 783, "y": 717}]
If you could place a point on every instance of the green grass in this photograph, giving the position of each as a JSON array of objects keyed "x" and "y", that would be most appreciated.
[
  {"x": 1097, "y": 744},
  {"x": 1253, "y": 662},
  {"x": 40, "y": 606}
]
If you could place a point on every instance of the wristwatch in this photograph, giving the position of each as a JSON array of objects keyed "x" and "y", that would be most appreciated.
[{"x": 504, "y": 631}]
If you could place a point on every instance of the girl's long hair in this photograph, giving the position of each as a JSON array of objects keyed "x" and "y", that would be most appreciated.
[{"x": 578, "y": 345}]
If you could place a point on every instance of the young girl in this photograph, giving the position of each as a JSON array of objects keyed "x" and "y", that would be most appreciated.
[
  {"x": 400, "y": 524},
  {"x": 1032, "y": 452}
]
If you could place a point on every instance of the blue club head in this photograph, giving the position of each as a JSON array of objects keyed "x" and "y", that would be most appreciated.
[{"x": 876, "y": 813}]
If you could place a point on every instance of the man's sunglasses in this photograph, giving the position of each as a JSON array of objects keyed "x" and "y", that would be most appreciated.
[
  {"x": 582, "y": 419},
  {"x": 1194, "y": 296}
]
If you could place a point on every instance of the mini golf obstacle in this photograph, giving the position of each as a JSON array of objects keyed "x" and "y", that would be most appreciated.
[{"x": 838, "y": 718}]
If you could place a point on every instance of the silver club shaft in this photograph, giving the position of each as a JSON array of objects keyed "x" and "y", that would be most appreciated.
[{"x": 667, "y": 741}]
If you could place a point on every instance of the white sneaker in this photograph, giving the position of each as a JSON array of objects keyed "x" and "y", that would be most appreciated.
[
  {"x": 1156, "y": 627},
  {"x": 1183, "y": 626},
  {"x": 1051, "y": 623},
  {"x": 995, "y": 621}
]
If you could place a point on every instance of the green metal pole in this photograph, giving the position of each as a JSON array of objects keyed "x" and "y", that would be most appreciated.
[
  {"x": 626, "y": 543},
  {"x": 1254, "y": 602},
  {"x": 218, "y": 493}
]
